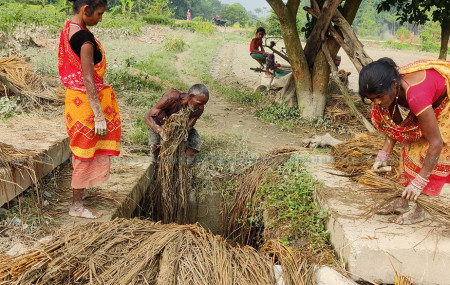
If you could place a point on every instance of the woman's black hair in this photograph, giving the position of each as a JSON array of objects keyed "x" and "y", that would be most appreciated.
[
  {"x": 377, "y": 77},
  {"x": 92, "y": 5},
  {"x": 260, "y": 29}
]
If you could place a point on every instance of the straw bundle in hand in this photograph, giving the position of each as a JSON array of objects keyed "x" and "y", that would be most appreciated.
[
  {"x": 388, "y": 190},
  {"x": 173, "y": 178},
  {"x": 359, "y": 154}
]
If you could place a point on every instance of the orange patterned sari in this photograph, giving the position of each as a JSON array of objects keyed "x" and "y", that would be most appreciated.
[
  {"x": 408, "y": 131},
  {"x": 78, "y": 112}
]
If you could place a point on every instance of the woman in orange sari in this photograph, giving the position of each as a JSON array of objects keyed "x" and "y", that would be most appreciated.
[
  {"x": 91, "y": 110},
  {"x": 423, "y": 88}
]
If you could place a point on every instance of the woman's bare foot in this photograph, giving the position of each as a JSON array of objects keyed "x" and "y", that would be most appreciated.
[
  {"x": 414, "y": 216},
  {"x": 83, "y": 212},
  {"x": 89, "y": 194},
  {"x": 396, "y": 207}
]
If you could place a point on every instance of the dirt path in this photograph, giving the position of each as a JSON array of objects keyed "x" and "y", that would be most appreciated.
[
  {"x": 228, "y": 119},
  {"x": 233, "y": 64}
]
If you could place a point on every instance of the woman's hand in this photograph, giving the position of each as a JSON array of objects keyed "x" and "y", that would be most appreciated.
[
  {"x": 100, "y": 127},
  {"x": 381, "y": 161},
  {"x": 415, "y": 188}
]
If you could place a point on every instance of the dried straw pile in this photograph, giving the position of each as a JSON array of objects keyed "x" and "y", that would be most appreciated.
[
  {"x": 18, "y": 72},
  {"x": 244, "y": 204},
  {"x": 142, "y": 252},
  {"x": 388, "y": 190},
  {"x": 13, "y": 159},
  {"x": 173, "y": 177},
  {"x": 359, "y": 154}
]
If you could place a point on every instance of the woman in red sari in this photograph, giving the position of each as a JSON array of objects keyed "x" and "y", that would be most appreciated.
[
  {"x": 423, "y": 88},
  {"x": 91, "y": 110}
]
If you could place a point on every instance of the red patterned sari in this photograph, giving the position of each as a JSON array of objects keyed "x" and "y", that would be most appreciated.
[
  {"x": 91, "y": 153},
  {"x": 415, "y": 146}
]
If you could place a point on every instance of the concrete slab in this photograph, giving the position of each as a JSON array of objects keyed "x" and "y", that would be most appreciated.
[
  {"x": 46, "y": 137},
  {"x": 372, "y": 249},
  {"x": 121, "y": 195}
]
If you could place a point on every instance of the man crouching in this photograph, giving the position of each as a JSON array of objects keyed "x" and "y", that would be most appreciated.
[{"x": 170, "y": 103}]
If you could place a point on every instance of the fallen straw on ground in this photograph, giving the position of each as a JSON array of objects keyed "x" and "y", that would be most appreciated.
[
  {"x": 12, "y": 160},
  {"x": 142, "y": 252},
  {"x": 173, "y": 177},
  {"x": 359, "y": 154},
  {"x": 387, "y": 190}
]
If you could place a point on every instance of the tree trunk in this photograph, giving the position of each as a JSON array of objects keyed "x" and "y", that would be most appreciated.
[
  {"x": 321, "y": 72},
  {"x": 317, "y": 36},
  {"x": 445, "y": 32}
]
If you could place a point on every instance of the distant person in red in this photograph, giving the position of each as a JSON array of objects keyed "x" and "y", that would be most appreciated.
[
  {"x": 217, "y": 17},
  {"x": 411, "y": 37},
  {"x": 188, "y": 15},
  {"x": 257, "y": 51},
  {"x": 402, "y": 38}
]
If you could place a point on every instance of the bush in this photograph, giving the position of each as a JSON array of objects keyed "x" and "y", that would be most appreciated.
[
  {"x": 428, "y": 35},
  {"x": 198, "y": 19},
  {"x": 176, "y": 44},
  {"x": 402, "y": 31},
  {"x": 159, "y": 20},
  {"x": 197, "y": 27}
]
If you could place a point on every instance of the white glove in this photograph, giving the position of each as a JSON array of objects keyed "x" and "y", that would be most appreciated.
[
  {"x": 381, "y": 161},
  {"x": 100, "y": 127},
  {"x": 415, "y": 188}
]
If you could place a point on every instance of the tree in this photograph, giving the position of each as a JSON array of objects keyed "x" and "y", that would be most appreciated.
[
  {"x": 413, "y": 11},
  {"x": 310, "y": 70},
  {"x": 235, "y": 13}
]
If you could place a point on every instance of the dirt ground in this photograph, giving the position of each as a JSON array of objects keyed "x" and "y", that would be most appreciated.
[{"x": 233, "y": 64}]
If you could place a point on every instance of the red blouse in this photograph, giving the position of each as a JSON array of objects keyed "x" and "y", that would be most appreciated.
[
  {"x": 423, "y": 94},
  {"x": 255, "y": 44}
]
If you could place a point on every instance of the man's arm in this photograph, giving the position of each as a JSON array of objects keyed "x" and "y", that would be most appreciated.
[
  {"x": 193, "y": 120},
  {"x": 166, "y": 100}
]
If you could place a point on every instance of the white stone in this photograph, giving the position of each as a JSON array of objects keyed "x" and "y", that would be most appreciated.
[{"x": 328, "y": 276}]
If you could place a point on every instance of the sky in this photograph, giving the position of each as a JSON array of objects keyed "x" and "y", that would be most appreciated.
[{"x": 249, "y": 5}]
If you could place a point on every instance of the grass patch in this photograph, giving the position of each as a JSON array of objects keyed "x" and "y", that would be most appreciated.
[
  {"x": 159, "y": 20},
  {"x": 123, "y": 80},
  {"x": 283, "y": 116},
  {"x": 199, "y": 62},
  {"x": 139, "y": 133},
  {"x": 175, "y": 44},
  {"x": 288, "y": 195},
  {"x": 196, "y": 26}
]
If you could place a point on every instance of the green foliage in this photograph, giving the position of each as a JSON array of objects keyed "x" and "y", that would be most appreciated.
[
  {"x": 235, "y": 13},
  {"x": 131, "y": 25},
  {"x": 288, "y": 195},
  {"x": 7, "y": 107},
  {"x": 159, "y": 20},
  {"x": 176, "y": 44},
  {"x": 139, "y": 132},
  {"x": 13, "y": 15},
  {"x": 285, "y": 117},
  {"x": 160, "y": 7},
  {"x": 402, "y": 31},
  {"x": 428, "y": 35},
  {"x": 198, "y": 19},
  {"x": 197, "y": 27},
  {"x": 122, "y": 80},
  {"x": 368, "y": 28}
]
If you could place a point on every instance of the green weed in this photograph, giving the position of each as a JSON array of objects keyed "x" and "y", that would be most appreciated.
[
  {"x": 288, "y": 195},
  {"x": 139, "y": 133},
  {"x": 283, "y": 116},
  {"x": 159, "y": 20},
  {"x": 8, "y": 107},
  {"x": 122, "y": 80},
  {"x": 175, "y": 44},
  {"x": 196, "y": 26}
]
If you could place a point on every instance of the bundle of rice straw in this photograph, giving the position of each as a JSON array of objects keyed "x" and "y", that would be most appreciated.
[
  {"x": 388, "y": 190},
  {"x": 237, "y": 225},
  {"x": 359, "y": 154},
  {"x": 142, "y": 252},
  {"x": 18, "y": 72},
  {"x": 14, "y": 159},
  {"x": 173, "y": 177}
]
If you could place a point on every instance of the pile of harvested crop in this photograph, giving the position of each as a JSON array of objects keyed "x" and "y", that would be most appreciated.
[{"x": 142, "y": 252}]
